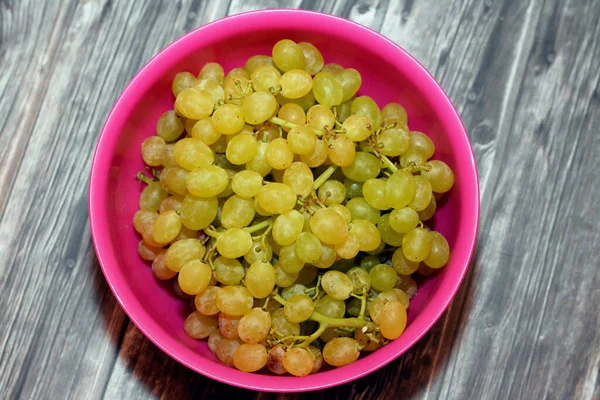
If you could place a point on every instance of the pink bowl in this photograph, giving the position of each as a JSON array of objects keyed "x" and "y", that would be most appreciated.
[{"x": 389, "y": 74}]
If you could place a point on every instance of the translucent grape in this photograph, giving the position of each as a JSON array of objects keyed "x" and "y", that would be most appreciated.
[
  {"x": 152, "y": 151},
  {"x": 152, "y": 196},
  {"x": 337, "y": 285},
  {"x": 228, "y": 325},
  {"x": 350, "y": 248},
  {"x": 298, "y": 308},
  {"x": 328, "y": 226},
  {"x": 298, "y": 361},
  {"x": 228, "y": 271},
  {"x": 265, "y": 78},
  {"x": 317, "y": 157},
  {"x": 440, "y": 251},
  {"x": 350, "y": 80},
  {"x": 278, "y": 154},
  {"x": 258, "y": 107},
  {"x": 166, "y": 227},
  {"x": 429, "y": 211},
  {"x": 343, "y": 211},
  {"x": 206, "y": 301},
  {"x": 183, "y": 251},
  {"x": 213, "y": 87},
  {"x": 281, "y": 324},
  {"x": 365, "y": 166},
  {"x": 289, "y": 261},
  {"x": 332, "y": 192},
  {"x": 423, "y": 194},
  {"x": 341, "y": 351},
  {"x": 234, "y": 243},
  {"x": 313, "y": 57},
  {"x": 260, "y": 279},
  {"x": 413, "y": 157},
  {"x": 416, "y": 244},
  {"x": 330, "y": 307},
  {"x": 407, "y": 284},
  {"x": 393, "y": 142},
  {"x": 402, "y": 265},
  {"x": 194, "y": 277},
  {"x": 320, "y": 117},
  {"x": 275, "y": 360},
  {"x": 361, "y": 279},
  {"x": 392, "y": 320},
  {"x": 307, "y": 247},
  {"x": 374, "y": 192},
  {"x": 241, "y": 149},
  {"x": 440, "y": 175},
  {"x": 284, "y": 279},
  {"x": 333, "y": 68},
  {"x": 204, "y": 131},
  {"x": 226, "y": 349},
  {"x": 190, "y": 153},
  {"x": 176, "y": 179},
  {"x": 207, "y": 181},
  {"x": 287, "y": 227},
  {"x": 328, "y": 256},
  {"x": 364, "y": 105},
  {"x": 148, "y": 252},
  {"x": 367, "y": 233},
  {"x": 302, "y": 140},
  {"x": 287, "y": 55},
  {"x": 228, "y": 119},
  {"x": 237, "y": 212},
  {"x": 194, "y": 103},
  {"x": 250, "y": 357},
  {"x": 293, "y": 113},
  {"x": 160, "y": 270},
  {"x": 389, "y": 235},
  {"x": 383, "y": 277},
  {"x": 295, "y": 83},
  {"x": 276, "y": 198},
  {"x": 182, "y": 81},
  {"x": 395, "y": 113},
  {"x": 341, "y": 151},
  {"x": 212, "y": 70},
  {"x": 234, "y": 300},
  {"x": 246, "y": 183},
  {"x": 353, "y": 188},
  {"x": 403, "y": 220},
  {"x": 169, "y": 126},
  {"x": 257, "y": 61},
  {"x": 327, "y": 90},
  {"x": 400, "y": 189},
  {"x": 198, "y": 212},
  {"x": 419, "y": 140},
  {"x": 199, "y": 326}
]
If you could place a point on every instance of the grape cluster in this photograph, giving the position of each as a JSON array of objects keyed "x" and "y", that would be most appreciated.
[{"x": 289, "y": 210}]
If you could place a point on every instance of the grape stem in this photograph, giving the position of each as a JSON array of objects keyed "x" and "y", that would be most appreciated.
[
  {"x": 212, "y": 232},
  {"x": 290, "y": 125},
  {"x": 261, "y": 225},
  {"x": 388, "y": 163},
  {"x": 324, "y": 176},
  {"x": 143, "y": 178}
]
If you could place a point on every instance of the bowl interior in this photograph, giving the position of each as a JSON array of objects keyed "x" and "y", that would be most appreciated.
[{"x": 388, "y": 74}]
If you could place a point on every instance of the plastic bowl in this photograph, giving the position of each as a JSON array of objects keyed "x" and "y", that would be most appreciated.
[{"x": 389, "y": 74}]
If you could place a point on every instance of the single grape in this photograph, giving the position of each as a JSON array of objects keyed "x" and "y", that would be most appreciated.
[
  {"x": 278, "y": 154},
  {"x": 440, "y": 251},
  {"x": 374, "y": 192},
  {"x": 292, "y": 112},
  {"x": 234, "y": 243},
  {"x": 225, "y": 350},
  {"x": 148, "y": 252},
  {"x": 176, "y": 179},
  {"x": 284, "y": 279},
  {"x": 416, "y": 244},
  {"x": 320, "y": 117},
  {"x": 214, "y": 339},
  {"x": 287, "y": 55},
  {"x": 257, "y": 61},
  {"x": 423, "y": 194},
  {"x": 413, "y": 157},
  {"x": 361, "y": 279},
  {"x": 344, "y": 110},
  {"x": 207, "y": 181},
  {"x": 332, "y": 192},
  {"x": 182, "y": 81},
  {"x": 389, "y": 235},
  {"x": 281, "y": 324},
  {"x": 275, "y": 360},
  {"x": 328, "y": 256},
  {"x": 198, "y": 212},
  {"x": 212, "y": 70},
  {"x": 402, "y": 265},
  {"x": 260, "y": 279},
  {"x": 276, "y": 198},
  {"x": 300, "y": 178},
  {"x": 183, "y": 251},
  {"x": 313, "y": 57},
  {"x": 419, "y": 140},
  {"x": 194, "y": 277},
  {"x": 204, "y": 131},
  {"x": 367, "y": 233},
  {"x": 393, "y": 142},
  {"x": 333, "y": 68},
  {"x": 350, "y": 248},
  {"x": 369, "y": 262},
  {"x": 234, "y": 300},
  {"x": 199, "y": 326},
  {"x": 343, "y": 211},
  {"x": 392, "y": 320},
  {"x": 302, "y": 140},
  {"x": 228, "y": 119},
  {"x": 429, "y": 211},
  {"x": 259, "y": 162},
  {"x": 365, "y": 166},
  {"x": 341, "y": 151},
  {"x": 289, "y": 261},
  {"x": 237, "y": 212},
  {"x": 364, "y": 105},
  {"x": 403, "y": 220},
  {"x": 329, "y": 227},
  {"x": 341, "y": 351},
  {"x": 360, "y": 209},
  {"x": 327, "y": 90},
  {"x": 194, "y": 103},
  {"x": 353, "y": 188},
  {"x": 295, "y": 83},
  {"x": 265, "y": 78},
  {"x": 228, "y": 325},
  {"x": 168, "y": 157},
  {"x": 330, "y": 307},
  {"x": 383, "y": 277},
  {"x": 298, "y": 308},
  {"x": 213, "y": 87},
  {"x": 440, "y": 175},
  {"x": 241, "y": 149},
  {"x": 160, "y": 270},
  {"x": 259, "y": 252},
  {"x": 206, "y": 301},
  {"x": 307, "y": 247},
  {"x": 166, "y": 227},
  {"x": 246, "y": 183},
  {"x": 350, "y": 80},
  {"x": 395, "y": 113},
  {"x": 337, "y": 285},
  {"x": 298, "y": 361},
  {"x": 258, "y": 107},
  {"x": 169, "y": 126},
  {"x": 152, "y": 196},
  {"x": 400, "y": 189},
  {"x": 250, "y": 357},
  {"x": 228, "y": 271},
  {"x": 152, "y": 151},
  {"x": 254, "y": 326}
]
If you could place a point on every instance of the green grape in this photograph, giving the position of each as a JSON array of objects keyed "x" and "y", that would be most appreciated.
[
  {"x": 287, "y": 227},
  {"x": 328, "y": 256},
  {"x": 353, "y": 307},
  {"x": 281, "y": 324},
  {"x": 228, "y": 271},
  {"x": 393, "y": 142},
  {"x": 169, "y": 126},
  {"x": 237, "y": 212},
  {"x": 250, "y": 357},
  {"x": 365, "y": 166},
  {"x": 369, "y": 262},
  {"x": 204, "y": 131},
  {"x": 287, "y": 55},
  {"x": 278, "y": 154},
  {"x": 344, "y": 110},
  {"x": 328, "y": 226},
  {"x": 353, "y": 188},
  {"x": 403, "y": 220},
  {"x": 395, "y": 113},
  {"x": 212, "y": 70},
  {"x": 400, "y": 189},
  {"x": 302, "y": 140},
  {"x": 265, "y": 78},
  {"x": 234, "y": 300},
  {"x": 374, "y": 192},
  {"x": 320, "y": 117},
  {"x": 299, "y": 177},
  {"x": 332, "y": 192},
  {"x": 364, "y": 105},
  {"x": 318, "y": 157},
  {"x": 213, "y": 87},
  {"x": 259, "y": 162},
  {"x": 313, "y": 57},
  {"x": 284, "y": 279},
  {"x": 234, "y": 243},
  {"x": 333, "y": 68},
  {"x": 207, "y": 181},
  {"x": 166, "y": 227},
  {"x": 298, "y": 308},
  {"x": 341, "y": 351},
  {"x": 295, "y": 83},
  {"x": 440, "y": 175},
  {"x": 350, "y": 248},
  {"x": 276, "y": 198},
  {"x": 330, "y": 307},
  {"x": 254, "y": 326},
  {"x": 343, "y": 211},
  {"x": 423, "y": 194},
  {"x": 246, "y": 183},
  {"x": 152, "y": 196},
  {"x": 241, "y": 149},
  {"x": 341, "y": 151},
  {"x": 176, "y": 179},
  {"x": 228, "y": 119},
  {"x": 228, "y": 325},
  {"x": 419, "y": 140},
  {"x": 361, "y": 279},
  {"x": 182, "y": 81},
  {"x": 417, "y": 244},
  {"x": 298, "y": 361},
  {"x": 429, "y": 211},
  {"x": 413, "y": 157},
  {"x": 198, "y": 212},
  {"x": 327, "y": 90},
  {"x": 258, "y": 107},
  {"x": 389, "y": 235},
  {"x": 190, "y": 153},
  {"x": 260, "y": 279},
  {"x": 289, "y": 261},
  {"x": 307, "y": 248},
  {"x": 292, "y": 112},
  {"x": 257, "y": 61},
  {"x": 152, "y": 151},
  {"x": 350, "y": 80},
  {"x": 383, "y": 277},
  {"x": 194, "y": 103},
  {"x": 199, "y": 326},
  {"x": 392, "y": 320},
  {"x": 206, "y": 301},
  {"x": 194, "y": 277},
  {"x": 337, "y": 285},
  {"x": 367, "y": 233},
  {"x": 183, "y": 251},
  {"x": 440, "y": 251}
]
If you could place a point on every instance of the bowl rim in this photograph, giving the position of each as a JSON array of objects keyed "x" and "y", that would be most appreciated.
[{"x": 98, "y": 182}]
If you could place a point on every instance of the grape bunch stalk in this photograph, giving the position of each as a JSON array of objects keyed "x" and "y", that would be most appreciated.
[{"x": 290, "y": 212}]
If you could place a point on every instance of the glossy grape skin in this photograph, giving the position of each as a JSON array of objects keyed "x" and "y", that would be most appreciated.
[
  {"x": 416, "y": 244},
  {"x": 341, "y": 351},
  {"x": 440, "y": 251},
  {"x": 388, "y": 234},
  {"x": 254, "y": 326},
  {"x": 313, "y": 57},
  {"x": 327, "y": 90},
  {"x": 401, "y": 264},
  {"x": 367, "y": 233},
  {"x": 300, "y": 178},
  {"x": 329, "y": 227},
  {"x": 199, "y": 326},
  {"x": 182, "y": 80},
  {"x": 234, "y": 300},
  {"x": 392, "y": 320},
  {"x": 383, "y": 277},
  {"x": 440, "y": 175},
  {"x": 298, "y": 361},
  {"x": 260, "y": 279},
  {"x": 250, "y": 357},
  {"x": 234, "y": 243},
  {"x": 194, "y": 277},
  {"x": 287, "y": 55},
  {"x": 360, "y": 209}
]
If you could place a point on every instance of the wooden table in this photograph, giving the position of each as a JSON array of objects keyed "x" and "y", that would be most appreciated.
[{"x": 524, "y": 75}]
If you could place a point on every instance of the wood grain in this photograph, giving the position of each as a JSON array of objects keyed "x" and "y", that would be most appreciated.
[{"x": 525, "y": 77}]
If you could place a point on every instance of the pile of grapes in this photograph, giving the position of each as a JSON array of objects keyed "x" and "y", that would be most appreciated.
[{"x": 289, "y": 210}]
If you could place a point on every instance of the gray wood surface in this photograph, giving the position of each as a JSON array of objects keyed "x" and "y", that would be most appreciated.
[{"x": 525, "y": 76}]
